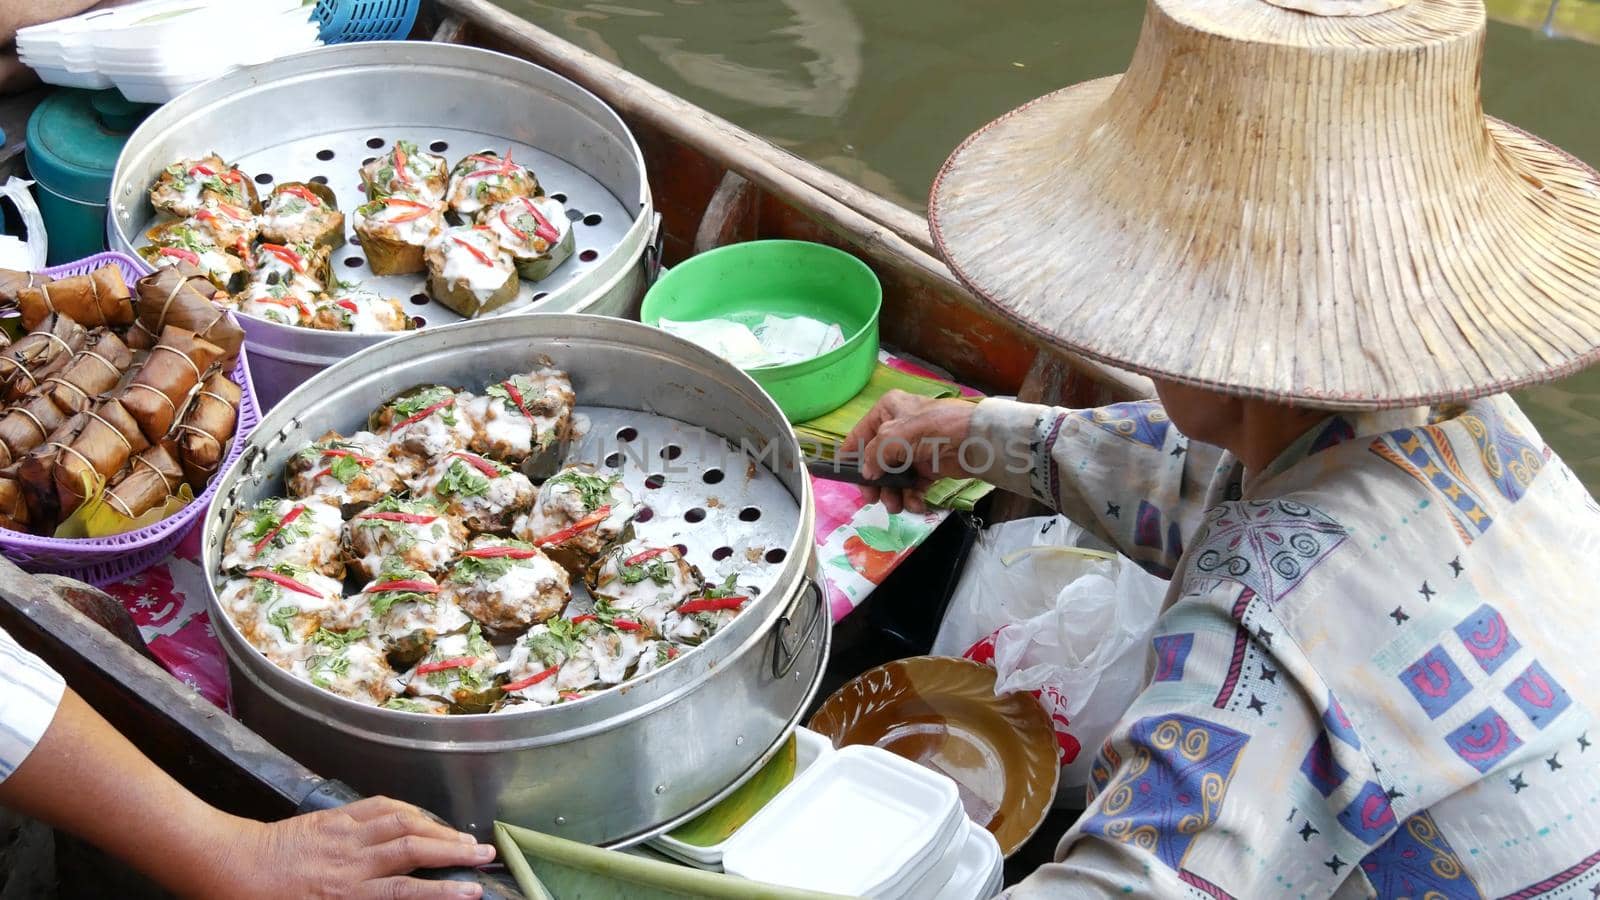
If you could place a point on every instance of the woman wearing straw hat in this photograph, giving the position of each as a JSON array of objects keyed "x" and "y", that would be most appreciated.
[{"x": 1377, "y": 669}]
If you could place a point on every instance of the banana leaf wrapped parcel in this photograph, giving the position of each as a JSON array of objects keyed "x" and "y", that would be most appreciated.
[
  {"x": 92, "y": 371},
  {"x": 181, "y": 295},
  {"x": 39, "y": 354},
  {"x": 207, "y": 428},
  {"x": 99, "y": 298},
  {"x": 175, "y": 367}
]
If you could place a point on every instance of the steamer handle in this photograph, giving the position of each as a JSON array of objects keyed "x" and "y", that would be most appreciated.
[
  {"x": 332, "y": 794},
  {"x": 784, "y": 654}
]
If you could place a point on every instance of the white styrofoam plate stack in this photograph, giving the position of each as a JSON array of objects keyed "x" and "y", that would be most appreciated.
[
  {"x": 864, "y": 822},
  {"x": 155, "y": 50}
]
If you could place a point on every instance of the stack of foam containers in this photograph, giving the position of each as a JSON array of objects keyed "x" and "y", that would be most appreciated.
[
  {"x": 863, "y": 822},
  {"x": 154, "y": 50}
]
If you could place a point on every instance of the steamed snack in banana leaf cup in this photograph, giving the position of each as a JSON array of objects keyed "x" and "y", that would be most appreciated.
[
  {"x": 182, "y": 187},
  {"x": 223, "y": 225},
  {"x": 483, "y": 180},
  {"x": 109, "y": 438},
  {"x": 394, "y": 231},
  {"x": 39, "y": 354},
  {"x": 343, "y": 471},
  {"x": 705, "y": 613},
  {"x": 98, "y": 298},
  {"x": 303, "y": 212},
  {"x": 182, "y": 244},
  {"x": 416, "y": 532},
  {"x": 507, "y": 586},
  {"x": 655, "y": 655},
  {"x": 577, "y": 514},
  {"x": 535, "y": 231},
  {"x": 537, "y": 670},
  {"x": 93, "y": 370},
  {"x": 182, "y": 295},
  {"x": 280, "y": 608},
  {"x": 407, "y": 610},
  {"x": 425, "y": 422},
  {"x": 174, "y": 369},
  {"x": 468, "y": 272},
  {"x": 458, "y": 669},
  {"x": 648, "y": 581},
  {"x": 615, "y": 648},
  {"x": 276, "y": 532},
  {"x": 483, "y": 494},
  {"x": 525, "y": 420},
  {"x": 305, "y": 266},
  {"x": 146, "y": 483},
  {"x": 359, "y": 310},
  {"x": 286, "y": 302},
  {"x": 207, "y": 429},
  {"x": 351, "y": 664},
  {"x": 408, "y": 170}
]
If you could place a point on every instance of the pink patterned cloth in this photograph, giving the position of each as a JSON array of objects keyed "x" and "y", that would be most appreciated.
[{"x": 859, "y": 545}]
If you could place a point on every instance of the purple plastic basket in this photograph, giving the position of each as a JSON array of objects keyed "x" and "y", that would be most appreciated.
[{"x": 102, "y": 561}]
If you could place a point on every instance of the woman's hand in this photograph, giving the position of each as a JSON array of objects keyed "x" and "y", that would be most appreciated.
[
  {"x": 904, "y": 431},
  {"x": 363, "y": 850}
]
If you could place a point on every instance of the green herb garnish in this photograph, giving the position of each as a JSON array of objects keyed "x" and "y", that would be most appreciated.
[
  {"x": 405, "y": 704},
  {"x": 462, "y": 480},
  {"x": 345, "y": 469},
  {"x": 281, "y": 618},
  {"x": 595, "y": 490},
  {"x": 655, "y": 568}
]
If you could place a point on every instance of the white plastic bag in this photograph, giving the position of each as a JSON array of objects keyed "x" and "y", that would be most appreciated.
[
  {"x": 15, "y": 253},
  {"x": 1070, "y": 625}
]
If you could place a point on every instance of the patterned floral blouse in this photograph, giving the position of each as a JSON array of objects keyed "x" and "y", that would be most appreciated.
[{"x": 1377, "y": 667}]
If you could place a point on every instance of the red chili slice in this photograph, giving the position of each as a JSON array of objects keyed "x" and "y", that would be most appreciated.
[
  {"x": 543, "y": 228},
  {"x": 347, "y": 304},
  {"x": 295, "y": 190},
  {"x": 202, "y": 169},
  {"x": 289, "y": 257},
  {"x": 288, "y": 517},
  {"x": 532, "y": 680},
  {"x": 205, "y": 215},
  {"x": 516, "y": 396},
  {"x": 407, "y": 518},
  {"x": 587, "y": 617},
  {"x": 188, "y": 256},
  {"x": 712, "y": 604},
  {"x": 232, "y": 176},
  {"x": 521, "y": 235},
  {"x": 291, "y": 302},
  {"x": 637, "y": 558},
  {"x": 482, "y": 256},
  {"x": 459, "y": 662},
  {"x": 619, "y": 624},
  {"x": 400, "y": 162},
  {"x": 571, "y": 695},
  {"x": 477, "y": 462},
  {"x": 578, "y": 527},
  {"x": 282, "y": 581},
  {"x": 426, "y": 413},
  {"x": 501, "y": 553},
  {"x": 415, "y": 587}
]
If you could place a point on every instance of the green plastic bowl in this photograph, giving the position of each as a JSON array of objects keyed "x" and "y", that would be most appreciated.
[{"x": 745, "y": 282}]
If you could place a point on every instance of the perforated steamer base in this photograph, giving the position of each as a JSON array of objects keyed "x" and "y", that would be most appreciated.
[{"x": 599, "y": 221}]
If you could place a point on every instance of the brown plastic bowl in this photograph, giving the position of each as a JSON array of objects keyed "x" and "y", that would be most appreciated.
[{"x": 942, "y": 712}]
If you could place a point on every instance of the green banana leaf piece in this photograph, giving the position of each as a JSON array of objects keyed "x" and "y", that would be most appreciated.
[
  {"x": 718, "y": 823},
  {"x": 551, "y": 868}
]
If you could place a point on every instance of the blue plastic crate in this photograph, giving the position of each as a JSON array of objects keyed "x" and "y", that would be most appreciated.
[{"x": 348, "y": 21}]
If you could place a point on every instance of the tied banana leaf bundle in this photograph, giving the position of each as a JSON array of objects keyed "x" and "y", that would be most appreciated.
[
  {"x": 13, "y": 508},
  {"x": 110, "y": 437},
  {"x": 150, "y": 479},
  {"x": 183, "y": 296},
  {"x": 13, "y": 282},
  {"x": 207, "y": 428},
  {"x": 175, "y": 368},
  {"x": 95, "y": 369},
  {"x": 27, "y": 424},
  {"x": 36, "y": 473},
  {"x": 38, "y": 354},
  {"x": 97, "y": 299}
]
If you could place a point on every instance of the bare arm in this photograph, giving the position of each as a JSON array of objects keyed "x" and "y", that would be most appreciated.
[{"x": 85, "y": 778}]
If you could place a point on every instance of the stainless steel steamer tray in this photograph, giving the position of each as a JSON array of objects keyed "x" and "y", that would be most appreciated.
[
  {"x": 633, "y": 761},
  {"x": 320, "y": 115}
]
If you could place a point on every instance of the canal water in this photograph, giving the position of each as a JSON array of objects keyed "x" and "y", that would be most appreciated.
[{"x": 880, "y": 91}]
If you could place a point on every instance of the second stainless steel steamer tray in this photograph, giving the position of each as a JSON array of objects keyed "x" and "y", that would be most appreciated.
[
  {"x": 320, "y": 115},
  {"x": 627, "y": 763}
]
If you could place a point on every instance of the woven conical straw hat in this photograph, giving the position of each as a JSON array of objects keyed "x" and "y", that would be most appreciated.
[{"x": 1303, "y": 204}]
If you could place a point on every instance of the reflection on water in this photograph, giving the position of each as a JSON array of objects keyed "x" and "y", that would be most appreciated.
[{"x": 880, "y": 91}]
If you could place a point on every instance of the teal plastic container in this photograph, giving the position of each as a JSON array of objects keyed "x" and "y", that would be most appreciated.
[
  {"x": 74, "y": 139},
  {"x": 745, "y": 282}
]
